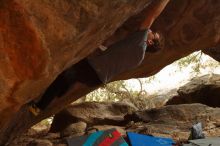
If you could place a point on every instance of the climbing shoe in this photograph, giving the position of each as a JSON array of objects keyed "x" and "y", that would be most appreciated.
[{"x": 34, "y": 109}]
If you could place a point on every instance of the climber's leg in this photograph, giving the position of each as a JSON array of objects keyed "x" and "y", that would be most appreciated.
[
  {"x": 81, "y": 72},
  {"x": 58, "y": 88},
  {"x": 86, "y": 74}
]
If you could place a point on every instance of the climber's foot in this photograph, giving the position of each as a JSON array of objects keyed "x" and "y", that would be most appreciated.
[{"x": 34, "y": 109}]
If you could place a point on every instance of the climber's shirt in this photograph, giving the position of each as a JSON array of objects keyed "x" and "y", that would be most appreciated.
[{"x": 120, "y": 57}]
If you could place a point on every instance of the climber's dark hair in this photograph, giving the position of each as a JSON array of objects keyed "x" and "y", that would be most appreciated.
[{"x": 158, "y": 44}]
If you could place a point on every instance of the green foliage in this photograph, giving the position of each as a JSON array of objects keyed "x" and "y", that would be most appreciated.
[
  {"x": 119, "y": 91},
  {"x": 114, "y": 91},
  {"x": 195, "y": 60},
  {"x": 194, "y": 57},
  {"x": 45, "y": 122},
  {"x": 150, "y": 79}
]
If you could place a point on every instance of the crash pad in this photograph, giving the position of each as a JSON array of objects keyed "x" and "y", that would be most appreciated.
[
  {"x": 109, "y": 137},
  {"x": 211, "y": 141},
  {"x": 145, "y": 140}
]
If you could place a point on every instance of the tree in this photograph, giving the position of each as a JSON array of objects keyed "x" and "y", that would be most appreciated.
[{"x": 198, "y": 61}]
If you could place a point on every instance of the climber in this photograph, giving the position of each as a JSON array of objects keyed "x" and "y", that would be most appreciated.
[{"x": 116, "y": 58}]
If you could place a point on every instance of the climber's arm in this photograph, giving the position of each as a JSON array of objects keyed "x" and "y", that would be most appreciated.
[{"x": 152, "y": 12}]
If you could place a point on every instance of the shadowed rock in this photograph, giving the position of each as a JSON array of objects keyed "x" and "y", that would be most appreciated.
[{"x": 204, "y": 89}]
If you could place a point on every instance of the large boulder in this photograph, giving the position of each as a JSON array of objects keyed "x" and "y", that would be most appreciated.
[
  {"x": 176, "y": 120},
  {"x": 204, "y": 89},
  {"x": 39, "y": 39},
  {"x": 92, "y": 113}
]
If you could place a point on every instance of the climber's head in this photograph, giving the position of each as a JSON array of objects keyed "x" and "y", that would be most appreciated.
[{"x": 155, "y": 41}]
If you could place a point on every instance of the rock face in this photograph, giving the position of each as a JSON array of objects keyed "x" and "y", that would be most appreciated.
[
  {"x": 213, "y": 52},
  {"x": 204, "y": 89},
  {"x": 39, "y": 39}
]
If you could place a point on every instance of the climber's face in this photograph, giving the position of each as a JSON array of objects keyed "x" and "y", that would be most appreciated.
[{"x": 151, "y": 37}]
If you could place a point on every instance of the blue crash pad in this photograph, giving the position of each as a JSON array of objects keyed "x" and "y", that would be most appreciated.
[{"x": 145, "y": 140}]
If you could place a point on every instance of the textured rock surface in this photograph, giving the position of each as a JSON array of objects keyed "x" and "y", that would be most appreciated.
[
  {"x": 213, "y": 52},
  {"x": 172, "y": 121},
  {"x": 75, "y": 129},
  {"x": 39, "y": 39},
  {"x": 176, "y": 120},
  {"x": 91, "y": 113},
  {"x": 204, "y": 89},
  {"x": 163, "y": 121}
]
